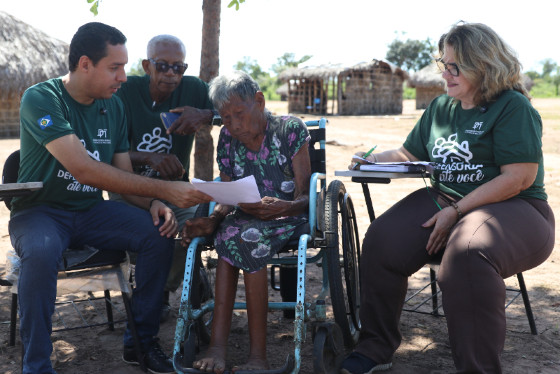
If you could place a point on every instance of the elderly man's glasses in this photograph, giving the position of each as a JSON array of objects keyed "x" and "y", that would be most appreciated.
[
  {"x": 451, "y": 67},
  {"x": 163, "y": 67}
]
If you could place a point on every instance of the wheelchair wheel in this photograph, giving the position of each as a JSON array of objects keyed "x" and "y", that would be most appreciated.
[
  {"x": 328, "y": 348},
  {"x": 343, "y": 256}
]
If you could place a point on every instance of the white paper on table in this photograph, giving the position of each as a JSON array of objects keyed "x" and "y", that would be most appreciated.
[{"x": 243, "y": 190}]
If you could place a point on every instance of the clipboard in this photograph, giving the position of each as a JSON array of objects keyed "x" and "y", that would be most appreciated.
[{"x": 167, "y": 118}]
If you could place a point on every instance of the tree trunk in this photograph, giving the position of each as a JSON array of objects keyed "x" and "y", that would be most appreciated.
[{"x": 209, "y": 68}]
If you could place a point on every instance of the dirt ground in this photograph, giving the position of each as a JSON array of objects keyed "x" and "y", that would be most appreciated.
[{"x": 425, "y": 347}]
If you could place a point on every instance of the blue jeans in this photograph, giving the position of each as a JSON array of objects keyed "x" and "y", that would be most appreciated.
[{"x": 40, "y": 234}]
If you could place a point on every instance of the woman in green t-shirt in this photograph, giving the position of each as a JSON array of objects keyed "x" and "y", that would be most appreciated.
[{"x": 485, "y": 214}]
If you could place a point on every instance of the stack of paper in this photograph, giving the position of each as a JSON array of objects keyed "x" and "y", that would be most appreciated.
[{"x": 398, "y": 167}]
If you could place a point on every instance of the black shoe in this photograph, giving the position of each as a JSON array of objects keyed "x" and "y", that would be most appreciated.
[
  {"x": 165, "y": 308},
  {"x": 155, "y": 359},
  {"x": 357, "y": 363}
]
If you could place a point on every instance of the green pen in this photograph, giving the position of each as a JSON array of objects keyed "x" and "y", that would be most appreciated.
[{"x": 365, "y": 156}]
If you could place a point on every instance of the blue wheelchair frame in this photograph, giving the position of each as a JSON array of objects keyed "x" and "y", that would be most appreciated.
[{"x": 335, "y": 205}]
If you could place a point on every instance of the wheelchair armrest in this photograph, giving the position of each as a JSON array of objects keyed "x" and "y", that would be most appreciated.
[{"x": 316, "y": 201}]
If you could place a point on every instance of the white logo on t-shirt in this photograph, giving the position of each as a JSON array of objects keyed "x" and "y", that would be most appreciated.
[{"x": 155, "y": 142}]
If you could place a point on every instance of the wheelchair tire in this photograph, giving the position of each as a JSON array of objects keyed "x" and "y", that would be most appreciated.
[
  {"x": 328, "y": 348},
  {"x": 343, "y": 256}
]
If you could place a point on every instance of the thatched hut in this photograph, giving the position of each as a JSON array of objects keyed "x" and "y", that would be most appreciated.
[
  {"x": 429, "y": 84},
  {"x": 374, "y": 87},
  {"x": 283, "y": 91},
  {"x": 308, "y": 88},
  {"x": 27, "y": 56}
]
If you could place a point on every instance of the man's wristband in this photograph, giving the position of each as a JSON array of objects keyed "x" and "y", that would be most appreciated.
[
  {"x": 151, "y": 202},
  {"x": 216, "y": 118},
  {"x": 459, "y": 212}
]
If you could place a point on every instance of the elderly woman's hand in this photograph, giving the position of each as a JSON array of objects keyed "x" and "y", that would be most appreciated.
[
  {"x": 195, "y": 227},
  {"x": 268, "y": 208},
  {"x": 442, "y": 222}
]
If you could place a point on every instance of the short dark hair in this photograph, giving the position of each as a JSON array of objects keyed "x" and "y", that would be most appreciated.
[{"x": 91, "y": 40}]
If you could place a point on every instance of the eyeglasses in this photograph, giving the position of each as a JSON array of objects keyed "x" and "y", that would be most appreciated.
[
  {"x": 163, "y": 67},
  {"x": 451, "y": 67}
]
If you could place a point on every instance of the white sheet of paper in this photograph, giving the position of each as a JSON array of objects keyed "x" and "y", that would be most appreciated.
[{"x": 244, "y": 190}]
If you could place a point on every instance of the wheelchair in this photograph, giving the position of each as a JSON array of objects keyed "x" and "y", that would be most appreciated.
[{"x": 333, "y": 233}]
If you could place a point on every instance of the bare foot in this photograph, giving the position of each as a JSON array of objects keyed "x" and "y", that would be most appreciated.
[
  {"x": 214, "y": 362},
  {"x": 254, "y": 364}
]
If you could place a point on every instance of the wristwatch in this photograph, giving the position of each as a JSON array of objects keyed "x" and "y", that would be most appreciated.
[{"x": 216, "y": 119}]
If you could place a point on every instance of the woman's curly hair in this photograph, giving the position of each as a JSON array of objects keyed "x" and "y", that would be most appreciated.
[{"x": 485, "y": 60}]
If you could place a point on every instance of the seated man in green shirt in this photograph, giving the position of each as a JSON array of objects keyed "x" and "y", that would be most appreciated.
[
  {"x": 154, "y": 150},
  {"x": 73, "y": 138}
]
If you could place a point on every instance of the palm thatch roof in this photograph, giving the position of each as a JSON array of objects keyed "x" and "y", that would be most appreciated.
[
  {"x": 327, "y": 71},
  {"x": 27, "y": 56},
  {"x": 428, "y": 76},
  {"x": 311, "y": 72},
  {"x": 367, "y": 66}
]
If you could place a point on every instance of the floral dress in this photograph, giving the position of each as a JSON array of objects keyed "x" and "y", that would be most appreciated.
[{"x": 243, "y": 240}]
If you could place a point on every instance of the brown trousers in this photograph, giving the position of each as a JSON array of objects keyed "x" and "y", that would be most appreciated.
[{"x": 487, "y": 245}]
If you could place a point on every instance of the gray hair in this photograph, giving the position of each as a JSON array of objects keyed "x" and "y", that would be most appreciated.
[
  {"x": 164, "y": 39},
  {"x": 236, "y": 83}
]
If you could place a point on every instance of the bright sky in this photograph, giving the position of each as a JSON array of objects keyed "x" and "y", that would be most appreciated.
[{"x": 332, "y": 31}]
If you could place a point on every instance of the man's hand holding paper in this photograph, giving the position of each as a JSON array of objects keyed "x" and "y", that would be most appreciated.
[{"x": 244, "y": 190}]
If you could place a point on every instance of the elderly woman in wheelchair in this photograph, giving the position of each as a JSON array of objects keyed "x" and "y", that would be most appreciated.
[{"x": 275, "y": 151}]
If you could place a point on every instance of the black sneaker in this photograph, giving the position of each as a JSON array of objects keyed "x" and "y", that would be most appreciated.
[
  {"x": 155, "y": 359},
  {"x": 357, "y": 363}
]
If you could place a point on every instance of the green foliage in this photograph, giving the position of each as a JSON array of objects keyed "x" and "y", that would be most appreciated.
[
  {"x": 543, "y": 89},
  {"x": 549, "y": 66},
  {"x": 136, "y": 69},
  {"x": 532, "y": 74},
  {"x": 236, "y": 3},
  {"x": 547, "y": 83},
  {"x": 288, "y": 60},
  {"x": 269, "y": 84},
  {"x": 408, "y": 92},
  {"x": 94, "y": 7},
  {"x": 250, "y": 67},
  {"x": 410, "y": 54}
]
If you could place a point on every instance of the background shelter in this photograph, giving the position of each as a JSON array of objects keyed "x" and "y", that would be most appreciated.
[
  {"x": 27, "y": 56},
  {"x": 374, "y": 87},
  {"x": 429, "y": 84},
  {"x": 310, "y": 88}
]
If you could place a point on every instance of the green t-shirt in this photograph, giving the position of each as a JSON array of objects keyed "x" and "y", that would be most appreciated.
[
  {"x": 145, "y": 129},
  {"x": 469, "y": 146},
  {"x": 48, "y": 112}
]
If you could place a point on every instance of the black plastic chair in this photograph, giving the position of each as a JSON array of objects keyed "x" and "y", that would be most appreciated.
[
  {"x": 95, "y": 263},
  {"x": 417, "y": 301}
]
